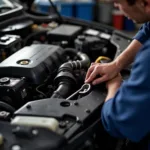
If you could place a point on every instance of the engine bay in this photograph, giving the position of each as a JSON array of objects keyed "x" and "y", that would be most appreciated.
[{"x": 43, "y": 97}]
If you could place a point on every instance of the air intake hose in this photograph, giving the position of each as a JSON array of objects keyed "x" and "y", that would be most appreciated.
[{"x": 65, "y": 78}]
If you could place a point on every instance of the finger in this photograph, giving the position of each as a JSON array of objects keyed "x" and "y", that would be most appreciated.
[
  {"x": 90, "y": 70},
  {"x": 93, "y": 63},
  {"x": 100, "y": 80},
  {"x": 92, "y": 75}
]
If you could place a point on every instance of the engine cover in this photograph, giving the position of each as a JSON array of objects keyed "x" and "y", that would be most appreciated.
[{"x": 34, "y": 63}]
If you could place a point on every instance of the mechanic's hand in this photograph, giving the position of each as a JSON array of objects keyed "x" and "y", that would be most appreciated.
[
  {"x": 114, "y": 83},
  {"x": 98, "y": 73}
]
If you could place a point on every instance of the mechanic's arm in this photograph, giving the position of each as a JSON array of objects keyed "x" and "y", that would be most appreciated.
[
  {"x": 126, "y": 115},
  {"x": 110, "y": 70},
  {"x": 127, "y": 56}
]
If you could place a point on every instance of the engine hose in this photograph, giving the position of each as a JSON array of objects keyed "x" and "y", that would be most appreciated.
[
  {"x": 7, "y": 107},
  {"x": 25, "y": 16},
  {"x": 82, "y": 56},
  {"x": 12, "y": 21},
  {"x": 70, "y": 51},
  {"x": 32, "y": 35},
  {"x": 65, "y": 78},
  {"x": 75, "y": 65},
  {"x": 40, "y": 18},
  {"x": 62, "y": 90},
  {"x": 85, "y": 60}
]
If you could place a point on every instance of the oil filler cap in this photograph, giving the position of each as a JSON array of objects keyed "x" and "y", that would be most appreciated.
[{"x": 4, "y": 80}]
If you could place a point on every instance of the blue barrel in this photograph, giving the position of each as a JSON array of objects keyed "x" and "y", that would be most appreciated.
[
  {"x": 84, "y": 10},
  {"x": 65, "y": 8}
]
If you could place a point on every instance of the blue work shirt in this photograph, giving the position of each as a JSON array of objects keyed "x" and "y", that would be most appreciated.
[{"x": 127, "y": 114}]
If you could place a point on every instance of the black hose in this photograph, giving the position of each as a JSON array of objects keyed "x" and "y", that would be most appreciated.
[
  {"x": 7, "y": 107},
  {"x": 12, "y": 21},
  {"x": 33, "y": 35},
  {"x": 85, "y": 60},
  {"x": 65, "y": 78},
  {"x": 40, "y": 18},
  {"x": 70, "y": 51},
  {"x": 24, "y": 16},
  {"x": 75, "y": 65},
  {"x": 62, "y": 90},
  {"x": 83, "y": 57}
]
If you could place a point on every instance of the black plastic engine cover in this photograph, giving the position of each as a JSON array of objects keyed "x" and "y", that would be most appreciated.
[
  {"x": 58, "y": 108},
  {"x": 35, "y": 63}
]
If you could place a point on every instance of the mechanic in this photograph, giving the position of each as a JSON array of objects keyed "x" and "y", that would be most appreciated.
[{"x": 126, "y": 111}]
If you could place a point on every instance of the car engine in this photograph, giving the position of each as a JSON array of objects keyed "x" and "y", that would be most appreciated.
[{"x": 44, "y": 102}]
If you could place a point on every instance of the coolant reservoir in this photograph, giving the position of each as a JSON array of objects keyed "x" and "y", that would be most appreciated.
[{"x": 50, "y": 123}]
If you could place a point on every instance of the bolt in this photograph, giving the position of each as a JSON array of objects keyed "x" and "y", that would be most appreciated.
[
  {"x": 87, "y": 111},
  {"x": 67, "y": 122},
  {"x": 62, "y": 124},
  {"x": 28, "y": 106},
  {"x": 35, "y": 132},
  {"x": 16, "y": 147},
  {"x": 76, "y": 103}
]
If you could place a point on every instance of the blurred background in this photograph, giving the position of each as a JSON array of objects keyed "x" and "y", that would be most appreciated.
[{"x": 101, "y": 11}]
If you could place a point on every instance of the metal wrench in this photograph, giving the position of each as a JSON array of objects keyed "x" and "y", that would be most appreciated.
[{"x": 83, "y": 90}]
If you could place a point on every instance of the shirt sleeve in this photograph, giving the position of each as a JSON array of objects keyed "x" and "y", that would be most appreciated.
[
  {"x": 143, "y": 34},
  {"x": 127, "y": 115}
]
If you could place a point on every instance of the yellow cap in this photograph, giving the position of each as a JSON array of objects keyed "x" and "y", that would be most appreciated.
[
  {"x": 34, "y": 26},
  {"x": 102, "y": 58}
]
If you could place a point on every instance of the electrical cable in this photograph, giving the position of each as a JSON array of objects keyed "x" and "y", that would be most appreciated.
[{"x": 37, "y": 89}]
